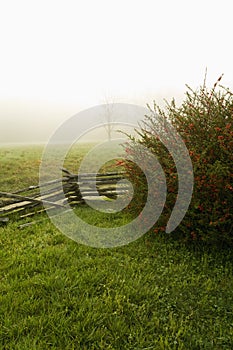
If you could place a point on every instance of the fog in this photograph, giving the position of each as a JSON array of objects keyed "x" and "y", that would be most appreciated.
[
  {"x": 23, "y": 121},
  {"x": 59, "y": 58}
]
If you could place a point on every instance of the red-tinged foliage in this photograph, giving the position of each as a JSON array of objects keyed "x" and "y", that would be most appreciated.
[{"x": 205, "y": 123}]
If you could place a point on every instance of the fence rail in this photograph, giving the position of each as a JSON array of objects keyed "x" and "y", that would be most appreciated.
[{"x": 75, "y": 188}]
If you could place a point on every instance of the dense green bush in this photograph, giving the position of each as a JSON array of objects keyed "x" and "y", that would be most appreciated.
[{"x": 205, "y": 122}]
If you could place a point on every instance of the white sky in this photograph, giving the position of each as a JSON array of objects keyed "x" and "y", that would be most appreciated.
[{"x": 59, "y": 57}]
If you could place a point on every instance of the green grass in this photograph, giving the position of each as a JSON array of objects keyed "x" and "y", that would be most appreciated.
[{"x": 154, "y": 293}]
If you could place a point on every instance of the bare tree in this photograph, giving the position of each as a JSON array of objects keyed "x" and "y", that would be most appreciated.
[{"x": 109, "y": 117}]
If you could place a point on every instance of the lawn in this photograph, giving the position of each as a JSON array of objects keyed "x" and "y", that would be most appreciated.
[{"x": 155, "y": 293}]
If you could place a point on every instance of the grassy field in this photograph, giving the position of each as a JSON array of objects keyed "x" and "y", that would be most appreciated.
[{"x": 154, "y": 293}]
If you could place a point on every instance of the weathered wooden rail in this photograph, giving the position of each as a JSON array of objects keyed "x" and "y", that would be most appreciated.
[{"x": 28, "y": 201}]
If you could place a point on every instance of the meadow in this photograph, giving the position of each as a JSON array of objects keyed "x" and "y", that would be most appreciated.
[{"x": 154, "y": 293}]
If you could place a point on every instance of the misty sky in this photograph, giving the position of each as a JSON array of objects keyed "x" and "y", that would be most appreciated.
[{"x": 60, "y": 57}]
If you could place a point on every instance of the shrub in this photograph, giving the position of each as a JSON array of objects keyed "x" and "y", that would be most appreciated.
[{"x": 205, "y": 122}]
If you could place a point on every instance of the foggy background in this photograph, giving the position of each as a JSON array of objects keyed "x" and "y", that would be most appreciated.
[{"x": 60, "y": 57}]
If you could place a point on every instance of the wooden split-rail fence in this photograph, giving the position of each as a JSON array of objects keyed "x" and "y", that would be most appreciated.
[{"x": 27, "y": 202}]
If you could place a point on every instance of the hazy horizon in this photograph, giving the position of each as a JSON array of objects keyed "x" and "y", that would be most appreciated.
[{"x": 60, "y": 58}]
